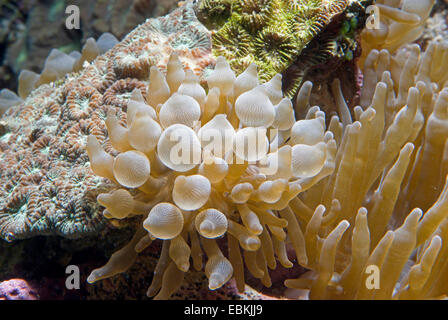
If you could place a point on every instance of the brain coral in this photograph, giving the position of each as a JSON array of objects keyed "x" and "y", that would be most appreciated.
[{"x": 46, "y": 184}]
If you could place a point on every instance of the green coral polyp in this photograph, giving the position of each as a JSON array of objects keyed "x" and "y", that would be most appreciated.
[
  {"x": 255, "y": 14},
  {"x": 271, "y": 33},
  {"x": 276, "y": 48},
  {"x": 230, "y": 37},
  {"x": 217, "y": 12}
]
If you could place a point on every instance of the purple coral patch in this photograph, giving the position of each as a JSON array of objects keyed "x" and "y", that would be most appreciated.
[{"x": 17, "y": 289}]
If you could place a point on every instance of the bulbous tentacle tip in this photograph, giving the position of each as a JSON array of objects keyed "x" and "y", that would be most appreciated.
[
  {"x": 95, "y": 276},
  {"x": 216, "y": 281},
  {"x": 184, "y": 267},
  {"x": 252, "y": 243},
  {"x": 207, "y": 227},
  {"x": 107, "y": 214}
]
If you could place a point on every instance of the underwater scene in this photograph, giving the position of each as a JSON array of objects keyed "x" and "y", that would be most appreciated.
[{"x": 223, "y": 150}]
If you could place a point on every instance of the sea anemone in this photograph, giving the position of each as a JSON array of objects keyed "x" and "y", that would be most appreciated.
[
  {"x": 382, "y": 235},
  {"x": 361, "y": 197},
  {"x": 391, "y": 220},
  {"x": 213, "y": 13},
  {"x": 236, "y": 171},
  {"x": 226, "y": 190},
  {"x": 396, "y": 23}
]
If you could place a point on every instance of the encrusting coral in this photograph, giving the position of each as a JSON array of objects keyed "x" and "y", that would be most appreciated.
[
  {"x": 46, "y": 184},
  {"x": 274, "y": 33}
]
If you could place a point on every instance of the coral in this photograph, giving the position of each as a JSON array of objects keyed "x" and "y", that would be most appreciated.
[
  {"x": 335, "y": 50},
  {"x": 46, "y": 184},
  {"x": 214, "y": 13},
  {"x": 255, "y": 14},
  {"x": 218, "y": 188},
  {"x": 276, "y": 46},
  {"x": 119, "y": 92},
  {"x": 234, "y": 40},
  {"x": 152, "y": 44},
  {"x": 271, "y": 33},
  {"x": 17, "y": 289}
]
